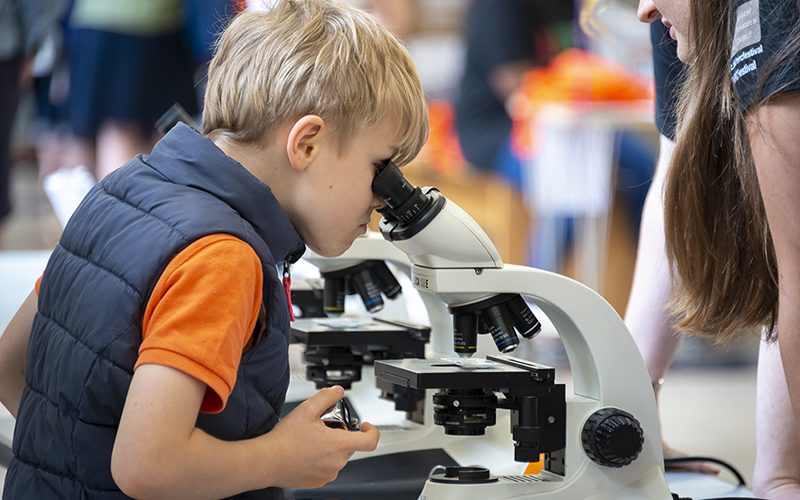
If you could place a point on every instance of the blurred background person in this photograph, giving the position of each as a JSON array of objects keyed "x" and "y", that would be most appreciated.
[
  {"x": 24, "y": 26},
  {"x": 126, "y": 64},
  {"x": 57, "y": 146},
  {"x": 48, "y": 131},
  {"x": 129, "y": 63},
  {"x": 505, "y": 39}
]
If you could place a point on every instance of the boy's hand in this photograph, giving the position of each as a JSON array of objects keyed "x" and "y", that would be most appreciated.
[{"x": 312, "y": 453}]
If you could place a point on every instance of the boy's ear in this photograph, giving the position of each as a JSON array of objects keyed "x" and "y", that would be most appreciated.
[{"x": 304, "y": 141}]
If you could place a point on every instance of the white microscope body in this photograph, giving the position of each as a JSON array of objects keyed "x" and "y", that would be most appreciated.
[{"x": 453, "y": 259}]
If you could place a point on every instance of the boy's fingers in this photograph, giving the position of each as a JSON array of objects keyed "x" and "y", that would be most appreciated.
[
  {"x": 319, "y": 403},
  {"x": 367, "y": 439}
]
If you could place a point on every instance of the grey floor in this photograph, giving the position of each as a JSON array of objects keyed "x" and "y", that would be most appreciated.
[{"x": 707, "y": 402}]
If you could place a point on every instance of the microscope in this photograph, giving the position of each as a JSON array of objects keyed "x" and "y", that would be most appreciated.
[
  {"x": 600, "y": 441},
  {"x": 411, "y": 443},
  {"x": 340, "y": 349}
]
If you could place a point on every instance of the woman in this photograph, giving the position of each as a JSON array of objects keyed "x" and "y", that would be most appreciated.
[{"x": 732, "y": 201}]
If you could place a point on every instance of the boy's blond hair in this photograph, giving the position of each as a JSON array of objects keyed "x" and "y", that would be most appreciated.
[{"x": 313, "y": 57}]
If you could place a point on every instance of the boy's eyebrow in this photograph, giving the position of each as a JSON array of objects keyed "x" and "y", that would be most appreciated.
[{"x": 384, "y": 159}]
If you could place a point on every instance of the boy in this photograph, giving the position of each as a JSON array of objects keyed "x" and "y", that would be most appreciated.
[{"x": 157, "y": 355}]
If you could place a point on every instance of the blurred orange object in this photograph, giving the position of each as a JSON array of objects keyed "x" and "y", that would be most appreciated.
[
  {"x": 534, "y": 467},
  {"x": 443, "y": 151},
  {"x": 576, "y": 77}
]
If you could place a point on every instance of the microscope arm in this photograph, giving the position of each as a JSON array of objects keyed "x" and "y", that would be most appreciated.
[{"x": 603, "y": 357}]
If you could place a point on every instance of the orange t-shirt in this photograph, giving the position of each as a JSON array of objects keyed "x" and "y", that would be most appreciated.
[{"x": 202, "y": 313}]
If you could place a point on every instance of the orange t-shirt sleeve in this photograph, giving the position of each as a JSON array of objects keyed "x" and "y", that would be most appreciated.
[{"x": 202, "y": 313}]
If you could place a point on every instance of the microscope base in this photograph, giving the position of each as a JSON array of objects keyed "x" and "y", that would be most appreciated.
[
  {"x": 399, "y": 476},
  {"x": 545, "y": 486}
]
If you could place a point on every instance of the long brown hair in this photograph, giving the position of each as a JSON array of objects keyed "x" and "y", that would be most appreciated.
[{"x": 718, "y": 240}]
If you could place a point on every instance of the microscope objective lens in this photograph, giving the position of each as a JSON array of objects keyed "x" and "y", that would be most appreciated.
[
  {"x": 333, "y": 295},
  {"x": 368, "y": 289},
  {"x": 522, "y": 317},
  {"x": 501, "y": 328},
  {"x": 465, "y": 334}
]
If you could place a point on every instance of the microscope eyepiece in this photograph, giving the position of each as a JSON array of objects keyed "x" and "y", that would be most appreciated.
[
  {"x": 408, "y": 209},
  {"x": 404, "y": 200}
]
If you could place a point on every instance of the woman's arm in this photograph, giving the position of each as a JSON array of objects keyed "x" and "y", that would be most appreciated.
[
  {"x": 13, "y": 351},
  {"x": 646, "y": 314},
  {"x": 776, "y": 151},
  {"x": 777, "y": 470},
  {"x": 159, "y": 453}
]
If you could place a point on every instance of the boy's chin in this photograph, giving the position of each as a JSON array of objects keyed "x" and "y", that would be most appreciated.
[{"x": 331, "y": 250}]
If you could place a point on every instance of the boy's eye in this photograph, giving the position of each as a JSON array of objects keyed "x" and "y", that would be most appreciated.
[{"x": 379, "y": 166}]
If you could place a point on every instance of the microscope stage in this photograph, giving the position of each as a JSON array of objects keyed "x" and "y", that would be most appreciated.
[
  {"x": 496, "y": 372},
  {"x": 357, "y": 331}
]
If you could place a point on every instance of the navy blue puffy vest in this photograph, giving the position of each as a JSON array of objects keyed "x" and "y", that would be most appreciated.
[{"x": 86, "y": 335}]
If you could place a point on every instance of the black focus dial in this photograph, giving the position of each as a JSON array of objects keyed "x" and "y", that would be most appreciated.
[{"x": 612, "y": 437}]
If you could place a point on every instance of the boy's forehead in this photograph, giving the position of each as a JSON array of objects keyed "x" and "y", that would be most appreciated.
[
  {"x": 404, "y": 137},
  {"x": 390, "y": 133},
  {"x": 384, "y": 128}
]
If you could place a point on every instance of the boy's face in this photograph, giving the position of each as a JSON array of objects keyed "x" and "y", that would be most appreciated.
[{"x": 338, "y": 201}]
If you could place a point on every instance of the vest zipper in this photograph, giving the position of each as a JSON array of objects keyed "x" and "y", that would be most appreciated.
[{"x": 287, "y": 286}]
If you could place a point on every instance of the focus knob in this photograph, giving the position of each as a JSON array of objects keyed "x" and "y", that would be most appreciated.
[{"x": 612, "y": 437}]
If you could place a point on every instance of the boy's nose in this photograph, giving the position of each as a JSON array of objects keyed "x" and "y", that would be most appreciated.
[{"x": 647, "y": 11}]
